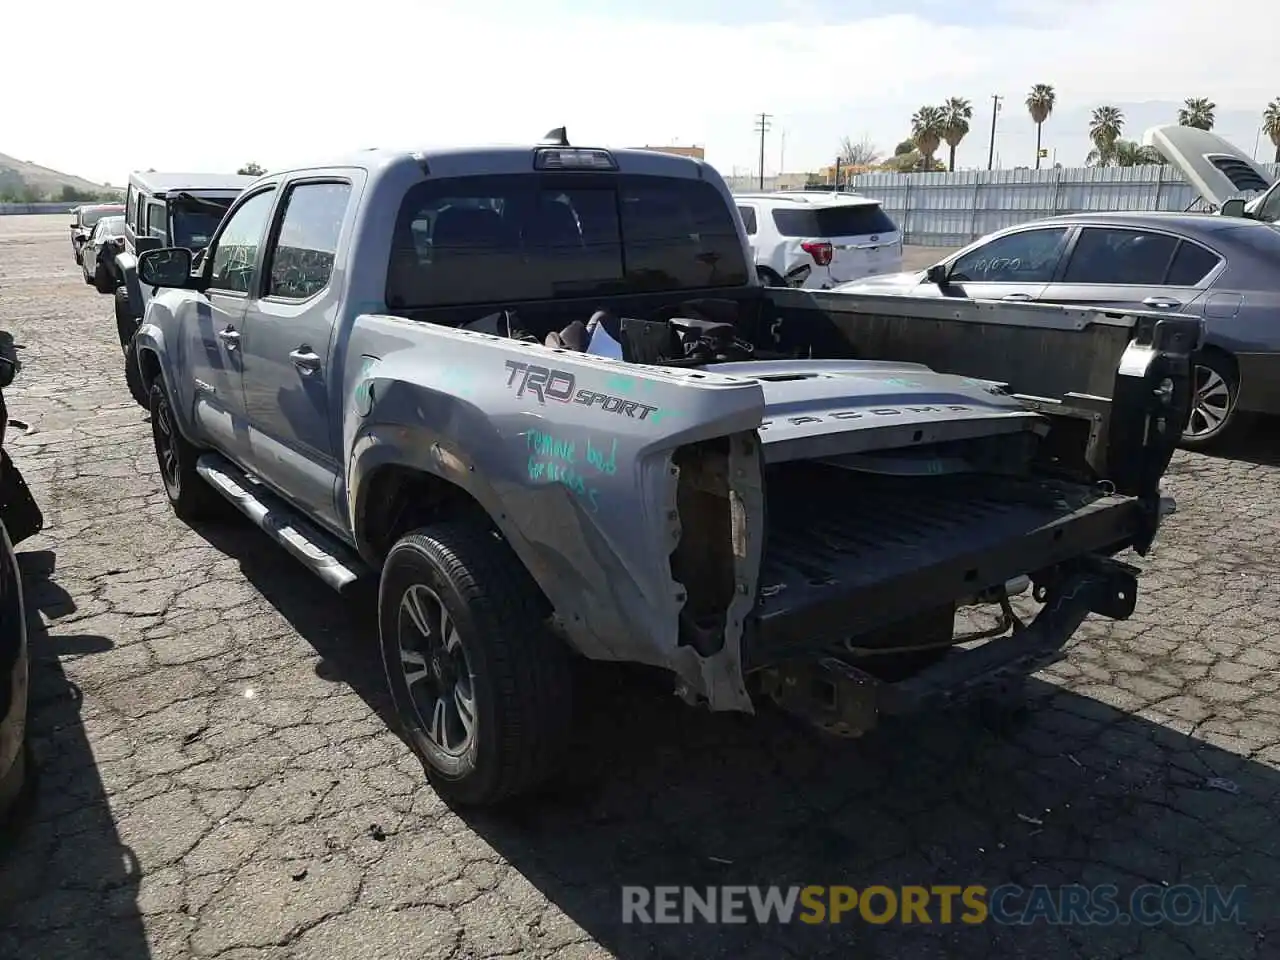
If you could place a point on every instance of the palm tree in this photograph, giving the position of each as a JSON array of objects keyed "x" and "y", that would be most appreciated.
[
  {"x": 1271, "y": 124},
  {"x": 956, "y": 114},
  {"x": 1105, "y": 127},
  {"x": 1197, "y": 112},
  {"x": 1127, "y": 153},
  {"x": 1040, "y": 105},
  {"x": 926, "y": 130}
]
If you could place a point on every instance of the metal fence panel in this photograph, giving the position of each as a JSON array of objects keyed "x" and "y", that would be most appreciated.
[{"x": 951, "y": 209}]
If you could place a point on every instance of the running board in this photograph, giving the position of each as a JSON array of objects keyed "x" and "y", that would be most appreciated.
[{"x": 330, "y": 560}]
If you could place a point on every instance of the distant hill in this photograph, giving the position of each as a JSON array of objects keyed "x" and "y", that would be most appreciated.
[{"x": 29, "y": 182}]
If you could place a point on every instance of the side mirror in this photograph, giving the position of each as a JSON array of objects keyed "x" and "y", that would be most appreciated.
[
  {"x": 1233, "y": 207},
  {"x": 167, "y": 267},
  {"x": 937, "y": 274}
]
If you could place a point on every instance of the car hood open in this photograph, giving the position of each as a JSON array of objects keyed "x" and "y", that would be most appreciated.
[{"x": 1215, "y": 167}]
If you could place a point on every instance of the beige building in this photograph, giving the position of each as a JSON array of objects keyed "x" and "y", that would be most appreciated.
[{"x": 698, "y": 153}]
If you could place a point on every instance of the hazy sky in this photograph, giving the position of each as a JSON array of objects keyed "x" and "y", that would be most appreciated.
[{"x": 289, "y": 82}]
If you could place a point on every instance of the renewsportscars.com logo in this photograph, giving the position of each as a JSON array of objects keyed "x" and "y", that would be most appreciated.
[{"x": 1008, "y": 904}]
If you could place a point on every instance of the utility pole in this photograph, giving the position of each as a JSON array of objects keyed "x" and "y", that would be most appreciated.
[
  {"x": 782, "y": 154},
  {"x": 762, "y": 126},
  {"x": 995, "y": 109}
]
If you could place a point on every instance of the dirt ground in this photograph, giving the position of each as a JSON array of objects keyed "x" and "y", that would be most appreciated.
[{"x": 218, "y": 778}]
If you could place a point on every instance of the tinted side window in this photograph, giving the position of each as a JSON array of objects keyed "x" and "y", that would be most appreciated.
[
  {"x": 158, "y": 221},
  {"x": 130, "y": 196},
  {"x": 748, "y": 215},
  {"x": 1191, "y": 264},
  {"x": 1030, "y": 256},
  {"x": 302, "y": 259},
  {"x": 1120, "y": 256},
  {"x": 237, "y": 250}
]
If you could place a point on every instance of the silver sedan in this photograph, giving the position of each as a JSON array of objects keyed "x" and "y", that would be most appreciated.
[{"x": 1224, "y": 269}]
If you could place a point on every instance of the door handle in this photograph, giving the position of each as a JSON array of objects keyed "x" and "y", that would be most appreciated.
[
  {"x": 305, "y": 359},
  {"x": 230, "y": 336},
  {"x": 1162, "y": 303},
  {"x": 1018, "y": 296}
]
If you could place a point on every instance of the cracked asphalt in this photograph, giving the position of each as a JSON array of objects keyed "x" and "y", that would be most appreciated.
[{"x": 217, "y": 777}]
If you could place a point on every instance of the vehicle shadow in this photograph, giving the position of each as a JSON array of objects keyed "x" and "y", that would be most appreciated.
[
  {"x": 1061, "y": 789},
  {"x": 1256, "y": 444},
  {"x": 68, "y": 884}
]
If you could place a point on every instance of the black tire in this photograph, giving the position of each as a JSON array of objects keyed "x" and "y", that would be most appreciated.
[
  {"x": 103, "y": 282},
  {"x": 125, "y": 324},
  {"x": 189, "y": 496},
  {"x": 1214, "y": 416},
  {"x": 517, "y": 673},
  {"x": 133, "y": 376}
]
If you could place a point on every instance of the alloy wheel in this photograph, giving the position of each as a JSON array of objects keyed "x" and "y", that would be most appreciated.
[
  {"x": 166, "y": 438},
  {"x": 436, "y": 670},
  {"x": 1211, "y": 404}
]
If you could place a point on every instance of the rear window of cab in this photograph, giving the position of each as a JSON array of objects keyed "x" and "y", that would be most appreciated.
[{"x": 541, "y": 236}]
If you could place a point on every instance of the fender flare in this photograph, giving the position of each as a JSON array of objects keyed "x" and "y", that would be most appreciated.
[{"x": 127, "y": 265}]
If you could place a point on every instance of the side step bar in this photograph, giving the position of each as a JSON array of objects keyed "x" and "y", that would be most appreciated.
[{"x": 332, "y": 561}]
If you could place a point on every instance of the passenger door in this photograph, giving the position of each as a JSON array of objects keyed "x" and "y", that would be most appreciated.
[
  {"x": 1129, "y": 269},
  {"x": 211, "y": 325},
  {"x": 1013, "y": 266},
  {"x": 287, "y": 340}
]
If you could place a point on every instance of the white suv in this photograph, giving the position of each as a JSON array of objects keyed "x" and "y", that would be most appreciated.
[{"x": 817, "y": 239}]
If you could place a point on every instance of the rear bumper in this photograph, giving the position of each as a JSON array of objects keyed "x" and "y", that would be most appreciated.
[
  {"x": 845, "y": 700},
  {"x": 835, "y": 569}
]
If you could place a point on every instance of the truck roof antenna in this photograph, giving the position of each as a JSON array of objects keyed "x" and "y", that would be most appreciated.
[{"x": 557, "y": 137}]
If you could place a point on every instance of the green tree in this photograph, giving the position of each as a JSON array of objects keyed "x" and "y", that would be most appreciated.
[
  {"x": 1105, "y": 127},
  {"x": 1040, "y": 103},
  {"x": 956, "y": 114},
  {"x": 251, "y": 170},
  {"x": 1271, "y": 124},
  {"x": 926, "y": 132},
  {"x": 906, "y": 146},
  {"x": 1197, "y": 112}
]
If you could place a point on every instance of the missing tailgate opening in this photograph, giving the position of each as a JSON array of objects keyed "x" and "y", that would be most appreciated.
[{"x": 703, "y": 560}]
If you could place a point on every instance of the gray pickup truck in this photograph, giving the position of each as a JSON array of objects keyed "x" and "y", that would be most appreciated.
[{"x": 539, "y": 393}]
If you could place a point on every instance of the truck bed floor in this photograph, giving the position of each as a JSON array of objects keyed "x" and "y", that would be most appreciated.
[{"x": 847, "y": 553}]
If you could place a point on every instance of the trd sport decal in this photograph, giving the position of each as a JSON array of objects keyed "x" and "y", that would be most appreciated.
[{"x": 546, "y": 384}]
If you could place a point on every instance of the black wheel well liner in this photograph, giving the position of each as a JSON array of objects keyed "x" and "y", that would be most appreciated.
[{"x": 397, "y": 498}]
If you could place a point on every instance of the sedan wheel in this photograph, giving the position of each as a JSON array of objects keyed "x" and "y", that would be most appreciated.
[{"x": 1213, "y": 405}]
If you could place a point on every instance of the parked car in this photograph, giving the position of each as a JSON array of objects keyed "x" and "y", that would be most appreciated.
[
  {"x": 20, "y": 518},
  {"x": 514, "y": 386},
  {"x": 1227, "y": 178},
  {"x": 1226, "y": 270},
  {"x": 163, "y": 209},
  {"x": 98, "y": 255},
  {"x": 83, "y": 219},
  {"x": 817, "y": 239}
]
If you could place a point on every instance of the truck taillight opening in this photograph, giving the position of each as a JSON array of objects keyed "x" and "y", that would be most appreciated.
[{"x": 821, "y": 252}]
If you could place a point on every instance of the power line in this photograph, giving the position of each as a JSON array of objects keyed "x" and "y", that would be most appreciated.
[{"x": 762, "y": 127}]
